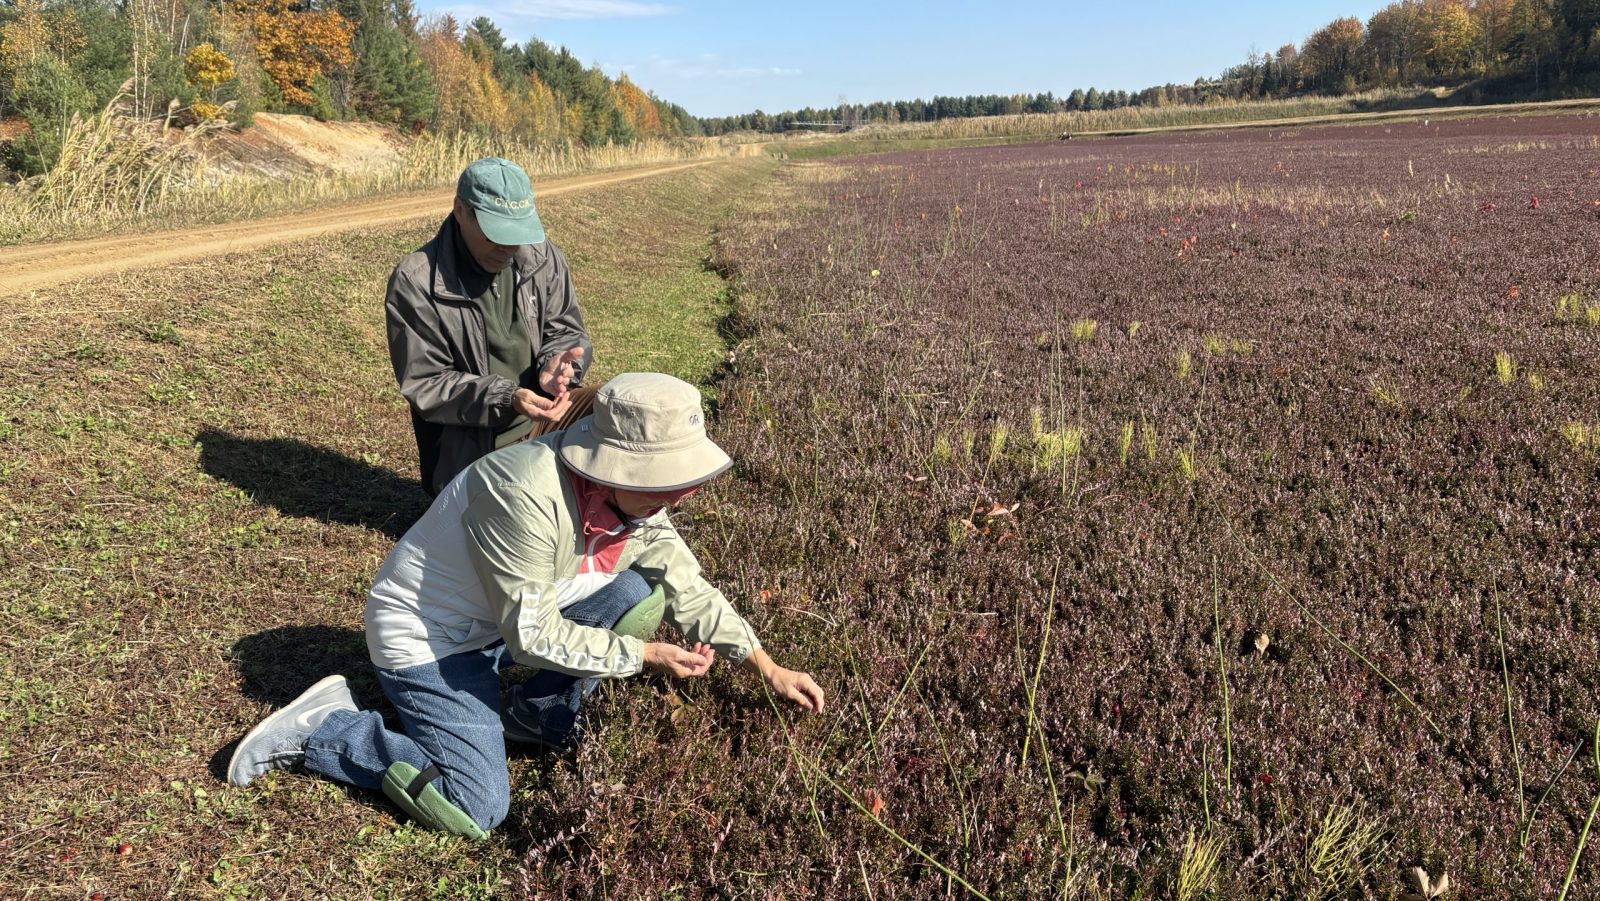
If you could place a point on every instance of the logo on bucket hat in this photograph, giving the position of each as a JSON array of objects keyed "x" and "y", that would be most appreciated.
[
  {"x": 646, "y": 434},
  {"x": 502, "y": 197}
]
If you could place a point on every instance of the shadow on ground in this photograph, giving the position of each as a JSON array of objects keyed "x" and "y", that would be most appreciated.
[
  {"x": 303, "y": 479},
  {"x": 276, "y": 665}
]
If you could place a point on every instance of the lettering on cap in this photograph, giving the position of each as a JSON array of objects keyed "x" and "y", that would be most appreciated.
[{"x": 513, "y": 204}]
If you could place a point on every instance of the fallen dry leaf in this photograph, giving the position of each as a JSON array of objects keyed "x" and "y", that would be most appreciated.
[{"x": 1426, "y": 888}]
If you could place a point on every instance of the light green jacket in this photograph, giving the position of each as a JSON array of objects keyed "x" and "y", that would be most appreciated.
[{"x": 498, "y": 556}]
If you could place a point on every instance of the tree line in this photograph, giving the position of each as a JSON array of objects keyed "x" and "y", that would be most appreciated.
[
  {"x": 1487, "y": 49},
  {"x": 371, "y": 60}
]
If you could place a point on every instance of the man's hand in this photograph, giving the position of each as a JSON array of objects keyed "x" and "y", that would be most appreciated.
[
  {"x": 537, "y": 408},
  {"x": 558, "y": 372},
  {"x": 671, "y": 660}
]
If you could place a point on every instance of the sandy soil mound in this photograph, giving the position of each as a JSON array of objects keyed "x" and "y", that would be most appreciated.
[{"x": 279, "y": 145}]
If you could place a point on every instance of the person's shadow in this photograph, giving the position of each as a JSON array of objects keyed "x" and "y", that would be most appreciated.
[
  {"x": 303, "y": 479},
  {"x": 276, "y": 665}
]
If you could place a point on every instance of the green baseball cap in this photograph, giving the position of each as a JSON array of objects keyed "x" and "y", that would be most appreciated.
[{"x": 502, "y": 197}]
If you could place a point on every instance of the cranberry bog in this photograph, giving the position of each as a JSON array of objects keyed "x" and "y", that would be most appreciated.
[{"x": 1168, "y": 517}]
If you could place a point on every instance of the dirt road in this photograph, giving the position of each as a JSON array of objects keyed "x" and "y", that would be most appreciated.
[{"x": 33, "y": 267}]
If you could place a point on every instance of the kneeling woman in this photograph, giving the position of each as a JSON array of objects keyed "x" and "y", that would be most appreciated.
[{"x": 555, "y": 553}]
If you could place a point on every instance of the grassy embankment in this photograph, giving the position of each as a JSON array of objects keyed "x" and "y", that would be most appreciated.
[
  {"x": 200, "y": 469},
  {"x": 116, "y": 176}
]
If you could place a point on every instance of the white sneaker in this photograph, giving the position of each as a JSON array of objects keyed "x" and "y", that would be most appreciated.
[{"x": 279, "y": 741}]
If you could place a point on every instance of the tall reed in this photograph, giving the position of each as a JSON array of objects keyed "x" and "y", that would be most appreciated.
[{"x": 120, "y": 172}]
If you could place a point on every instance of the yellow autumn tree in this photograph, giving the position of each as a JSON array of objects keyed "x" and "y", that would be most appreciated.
[
  {"x": 572, "y": 121},
  {"x": 492, "y": 110},
  {"x": 544, "y": 111},
  {"x": 24, "y": 38},
  {"x": 455, "y": 82},
  {"x": 1328, "y": 58},
  {"x": 207, "y": 68},
  {"x": 298, "y": 47},
  {"x": 1494, "y": 30},
  {"x": 637, "y": 108},
  {"x": 1394, "y": 40},
  {"x": 32, "y": 34},
  {"x": 1449, "y": 34}
]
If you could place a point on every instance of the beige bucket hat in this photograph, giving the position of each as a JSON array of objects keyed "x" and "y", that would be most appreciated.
[{"x": 647, "y": 433}]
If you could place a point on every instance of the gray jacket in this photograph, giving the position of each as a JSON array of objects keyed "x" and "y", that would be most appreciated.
[{"x": 440, "y": 351}]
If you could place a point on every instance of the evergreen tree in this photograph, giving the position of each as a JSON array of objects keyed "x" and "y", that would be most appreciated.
[
  {"x": 390, "y": 83},
  {"x": 618, "y": 131},
  {"x": 1582, "y": 18},
  {"x": 506, "y": 62}
]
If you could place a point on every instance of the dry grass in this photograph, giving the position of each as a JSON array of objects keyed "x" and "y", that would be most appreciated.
[
  {"x": 118, "y": 175},
  {"x": 199, "y": 471},
  {"x": 112, "y": 165}
]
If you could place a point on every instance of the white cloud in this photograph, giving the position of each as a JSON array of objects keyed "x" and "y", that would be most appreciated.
[
  {"x": 563, "y": 9},
  {"x": 707, "y": 65}
]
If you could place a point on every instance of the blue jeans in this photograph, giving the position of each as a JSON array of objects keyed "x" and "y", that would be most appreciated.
[{"x": 450, "y": 710}]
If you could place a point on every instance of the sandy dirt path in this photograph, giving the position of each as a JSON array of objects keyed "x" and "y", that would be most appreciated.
[{"x": 33, "y": 267}]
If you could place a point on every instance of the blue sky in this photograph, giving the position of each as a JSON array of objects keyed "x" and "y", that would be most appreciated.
[{"x": 718, "y": 58}]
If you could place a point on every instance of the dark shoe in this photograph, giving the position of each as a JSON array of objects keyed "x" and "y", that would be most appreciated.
[{"x": 523, "y": 727}]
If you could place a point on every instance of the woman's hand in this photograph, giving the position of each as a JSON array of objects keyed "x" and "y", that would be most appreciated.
[
  {"x": 795, "y": 686},
  {"x": 791, "y": 685},
  {"x": 671, "y": 660}
]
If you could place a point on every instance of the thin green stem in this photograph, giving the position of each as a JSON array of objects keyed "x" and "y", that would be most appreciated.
[
  {"x": 1527, "y": 828},
  {"x": 794, "y": 753},
  {"x": 1583, "y": 837},
  {"x": 861, "y": 692},
  {"x": 955, "y": 776},
  {"x": 1038, "y": 669},
  {"x": 788, "y": 737},
  {"x": 872, "y": 737},
  {"x": 865, "y": 883},
  {"x": 952, "y": 874},
  {"x": 1378, "y": 671},
  {"x": 1222, "y": 667},
  {"x": 1511, "y": 720},
  {"x": 1055, "y": 796}
]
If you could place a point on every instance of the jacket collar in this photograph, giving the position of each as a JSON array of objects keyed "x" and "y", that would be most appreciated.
[{"x": 447, "y": 264}]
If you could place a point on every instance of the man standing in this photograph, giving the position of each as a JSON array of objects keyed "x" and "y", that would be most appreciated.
[{"x": 484, "y": 332}]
